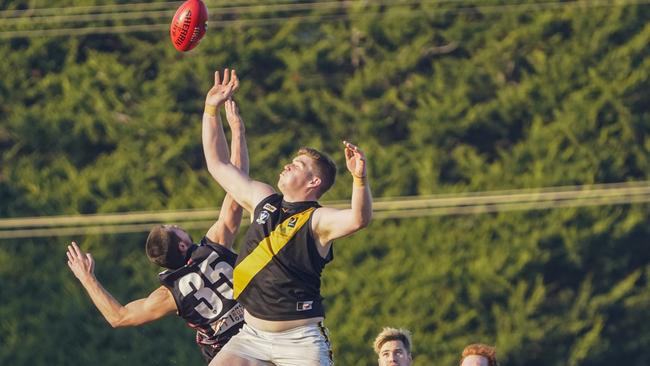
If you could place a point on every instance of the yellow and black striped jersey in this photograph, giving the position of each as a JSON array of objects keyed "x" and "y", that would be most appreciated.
[{"x": 277, "y": 275}]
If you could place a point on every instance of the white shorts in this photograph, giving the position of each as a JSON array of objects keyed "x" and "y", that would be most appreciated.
[{"x": 308, "y": 345}]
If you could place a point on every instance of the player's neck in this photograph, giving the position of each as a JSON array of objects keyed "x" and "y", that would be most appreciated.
[{"x": 298, "y": 197}]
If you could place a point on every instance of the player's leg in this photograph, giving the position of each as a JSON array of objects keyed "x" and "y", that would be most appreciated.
[
  {"x": 230, "y": 359},
  {"x": 246, "y": 348}
]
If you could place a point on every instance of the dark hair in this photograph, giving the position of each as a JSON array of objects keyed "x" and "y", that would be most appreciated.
[
  {"x": 162, "y": 248},
  {"x": 325, "y": 168},
  {"x": 483, "y": 350}
]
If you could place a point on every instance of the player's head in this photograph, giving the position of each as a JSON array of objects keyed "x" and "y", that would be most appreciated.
[
  {"x": 167, "y": 246},
  {"x": 393, "y": 347},
  {"x": 479, "y": 355},
  {"x": 310, "y": 172}
]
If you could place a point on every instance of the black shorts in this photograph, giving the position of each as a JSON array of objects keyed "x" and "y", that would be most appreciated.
[{"x": 208, "y": 351}]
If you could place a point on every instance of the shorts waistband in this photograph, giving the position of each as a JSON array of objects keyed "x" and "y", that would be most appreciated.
[{"x": 299, "y": 329}]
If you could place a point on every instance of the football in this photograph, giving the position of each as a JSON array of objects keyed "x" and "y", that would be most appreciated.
[{"x": 189, "y": 25}]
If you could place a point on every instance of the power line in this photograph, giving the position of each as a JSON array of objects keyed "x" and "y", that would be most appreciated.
[
  {"x": 508, "y": 206},
  {"x": 97, "y": 229},
  {"x": 232, "y": 6},
  {"x": 120, "y": 8},
  {"x": 380, "y": 204},
  {"x": 116, "y": 29},
  {"x": 384, "y": 208},
  {"x": 87, "y": 9},
  {"x": 300, "y": 18},
  {"x": 220, "y": 12},
  {"x": 228, "y": 10},
  {"x": 133, "y": 15}
]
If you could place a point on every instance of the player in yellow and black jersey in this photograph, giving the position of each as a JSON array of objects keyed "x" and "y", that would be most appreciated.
[{"x": 277, "y": 275}]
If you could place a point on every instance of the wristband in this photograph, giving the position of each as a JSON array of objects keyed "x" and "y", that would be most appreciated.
[
  {"x": 359, "y": 181},
  {"x": 210, "y": 110}
]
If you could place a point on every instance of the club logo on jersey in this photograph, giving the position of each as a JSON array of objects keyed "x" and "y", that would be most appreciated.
[
  {"x": 304, "y": 305},
  {"x": 263, "y": 218},
  {"x": 269, "y": 207},
  {"x": 292, "y": 222}
]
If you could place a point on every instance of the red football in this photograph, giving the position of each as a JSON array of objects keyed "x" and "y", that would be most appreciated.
[{"x": 189, "y": 25}]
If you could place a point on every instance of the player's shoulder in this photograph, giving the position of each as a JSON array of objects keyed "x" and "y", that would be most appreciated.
[
  {"x": 271, "y": 201},
  {"x": 322, "y": 213},
  {"x": 325, "y": 210},
  {"x": 262, "y": 192},
  {"x": 206, "y": 245}
]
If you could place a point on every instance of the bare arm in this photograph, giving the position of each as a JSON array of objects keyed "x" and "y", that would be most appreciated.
[
  {"x": 238, "y": 184},
  {"x": 223, "y": 231},
  {"x": 329, "y": 223},
  {"x": 158, "y": 304}
]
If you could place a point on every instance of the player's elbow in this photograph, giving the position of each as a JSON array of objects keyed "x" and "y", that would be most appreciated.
[
  {"x": 119, "y": 320},
  {"x": 122, "y": 323},
  {"x": 213, "y": 166},
  {"x": 367, "y": 220},
  {"x": 231, "y": 229},
  {"x": 116, "y": 323},
  {"x": 215, "y": 171},
  {"x": 232, "y": 215},
  {"x": 362, "y": 222}
]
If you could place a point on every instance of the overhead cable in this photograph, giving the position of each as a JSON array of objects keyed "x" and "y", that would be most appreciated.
[
  {"x": 336, "y": 7},
  {"x": 471, "y": 203}
]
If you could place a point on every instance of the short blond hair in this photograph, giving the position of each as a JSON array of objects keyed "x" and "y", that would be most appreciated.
[
  {"x": 393, "y": 334},
  {"x": 478, "y": 349}
]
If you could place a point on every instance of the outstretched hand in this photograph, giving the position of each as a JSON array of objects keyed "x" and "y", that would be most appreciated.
[
  {"x": 232, "y": 114},
  {"x": 222, "y": 90},
  {"x": 80, "y": 263},
  {"x": 355, "y": 160}
]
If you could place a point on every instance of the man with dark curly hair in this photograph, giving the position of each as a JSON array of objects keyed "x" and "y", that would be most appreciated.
[{"x": 197, "y": 282}]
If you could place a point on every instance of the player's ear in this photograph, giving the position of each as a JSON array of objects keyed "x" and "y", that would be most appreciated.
[{"x": 315, "y": 181}]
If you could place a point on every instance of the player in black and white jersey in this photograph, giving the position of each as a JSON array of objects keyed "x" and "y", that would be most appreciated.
[{"x": 198, "y": 281}]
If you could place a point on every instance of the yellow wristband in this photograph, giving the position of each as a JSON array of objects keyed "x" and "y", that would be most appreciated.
[
  {"x": 210, "y": 110},
  {"x": 359, "y": 181}
]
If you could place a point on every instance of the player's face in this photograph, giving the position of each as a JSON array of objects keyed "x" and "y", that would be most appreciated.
[
  {"x": 474, "y": 360},
  {"x": 296, "y": 174},
  {"x": 393, "y": 353}
]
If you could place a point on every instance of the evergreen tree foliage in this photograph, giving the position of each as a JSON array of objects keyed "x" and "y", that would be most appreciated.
[{"x": 443, "y": 97}]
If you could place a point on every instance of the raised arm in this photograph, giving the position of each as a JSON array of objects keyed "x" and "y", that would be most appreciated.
[
  {"x": 329, "y": 223},
  {"x": 158, "y": 304},
  {"x": 237, "y": 183},
  {"x": 223, "y": 231}
]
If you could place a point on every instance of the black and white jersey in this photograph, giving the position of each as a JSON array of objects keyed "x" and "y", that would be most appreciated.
[{"x": 203, "y": 291}]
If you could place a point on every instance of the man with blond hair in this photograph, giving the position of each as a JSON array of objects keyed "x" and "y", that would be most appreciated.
[
  {"x": 478, "y": 354},
  {"x": 393, "y": 347}
]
